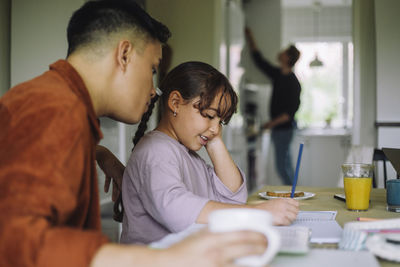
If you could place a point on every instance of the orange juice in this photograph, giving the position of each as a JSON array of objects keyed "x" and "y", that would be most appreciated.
[{"x": 357, "y": 192}]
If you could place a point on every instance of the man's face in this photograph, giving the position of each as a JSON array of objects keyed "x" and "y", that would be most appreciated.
[
  {"x": 283, "y": 59},
  {"x": 135, "y": 88}
]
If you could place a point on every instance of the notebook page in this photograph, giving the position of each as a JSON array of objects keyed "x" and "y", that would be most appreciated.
[
  {"x": 294, "y": 240},
  {"x": 316, "y": 215},
  {"x": 323, "y": 226}
]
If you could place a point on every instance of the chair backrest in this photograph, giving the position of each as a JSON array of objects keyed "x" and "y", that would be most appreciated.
[
  {"x": 393, "y": 156},
  {"x": 379, "y": 156}
]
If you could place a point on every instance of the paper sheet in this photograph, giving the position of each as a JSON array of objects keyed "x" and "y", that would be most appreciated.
[{"x": 323, "y": 226}]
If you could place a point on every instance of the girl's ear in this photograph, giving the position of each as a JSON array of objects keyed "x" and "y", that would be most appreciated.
[{"x": 175, "y": 99}]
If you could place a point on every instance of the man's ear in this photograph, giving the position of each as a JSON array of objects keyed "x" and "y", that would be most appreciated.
[
  {"x": 175, "y": 99},
  {"x": 124, "y": 53}
]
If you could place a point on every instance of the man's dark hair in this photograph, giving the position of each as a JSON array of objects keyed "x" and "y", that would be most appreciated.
[
  {"x": 97, "y": 19},
  {"x": 293, "y": 54}
]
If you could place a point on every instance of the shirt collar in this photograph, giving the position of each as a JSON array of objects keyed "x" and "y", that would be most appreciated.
[{"x": 75, "y": 82}]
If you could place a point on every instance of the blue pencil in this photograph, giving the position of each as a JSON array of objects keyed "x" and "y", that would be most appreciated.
[{"x": 296, "y": 175}]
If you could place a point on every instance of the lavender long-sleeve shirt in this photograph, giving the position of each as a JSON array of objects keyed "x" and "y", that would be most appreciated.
[{"x": 164, "y": 188}]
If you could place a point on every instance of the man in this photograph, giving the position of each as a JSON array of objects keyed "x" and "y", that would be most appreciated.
[
  {"x": 49, "y": 203},
  {"x": 285, "y": 102}
]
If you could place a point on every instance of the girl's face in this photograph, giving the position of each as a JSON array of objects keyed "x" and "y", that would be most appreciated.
[{"x": 194, "y": 130}]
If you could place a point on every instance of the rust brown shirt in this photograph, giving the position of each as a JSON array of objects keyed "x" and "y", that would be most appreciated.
[{"x": 49, "y": 200}]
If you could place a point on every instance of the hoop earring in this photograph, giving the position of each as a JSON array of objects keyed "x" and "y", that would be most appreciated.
[{"x": 175, "y": 113}]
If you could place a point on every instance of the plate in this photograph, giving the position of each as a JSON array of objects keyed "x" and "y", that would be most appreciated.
[
  {"x": 307, "y": 195},
  {"x": 379, "y": 246}
]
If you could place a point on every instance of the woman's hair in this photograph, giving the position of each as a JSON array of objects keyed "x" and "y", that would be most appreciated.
[{"x": 194, "y": 79}]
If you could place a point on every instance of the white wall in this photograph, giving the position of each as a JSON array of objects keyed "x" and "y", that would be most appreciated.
[
  {"x": 388, "y": 60},
  {"x": 364, "y": 132},
  {"x": 5, "y": 7},
  {"x": 38, "y": 35},
  {"x": 192, "y": 24},
  {"x": 332, "y": 23}
]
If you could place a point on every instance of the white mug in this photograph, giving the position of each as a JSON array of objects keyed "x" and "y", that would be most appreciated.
[{"x": 228, "y": 220}]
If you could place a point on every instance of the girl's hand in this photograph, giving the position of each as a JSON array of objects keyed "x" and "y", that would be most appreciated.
[
  {"x": 284, "y": 210},
  {"x": 224, "y": 167},
  {"x": 216, "y": 140}
]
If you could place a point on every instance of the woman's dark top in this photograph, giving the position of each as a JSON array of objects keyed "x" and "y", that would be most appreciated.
[{"x": 286, "y": 91}]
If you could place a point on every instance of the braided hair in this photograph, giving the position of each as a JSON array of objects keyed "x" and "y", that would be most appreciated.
[{"x": 143, "y": 122}]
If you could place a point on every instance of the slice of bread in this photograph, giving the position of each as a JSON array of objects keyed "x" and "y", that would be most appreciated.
[{"x": 286, "y": 194}]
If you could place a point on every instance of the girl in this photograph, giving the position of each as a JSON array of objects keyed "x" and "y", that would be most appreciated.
[{"x": 167, "y": 186}]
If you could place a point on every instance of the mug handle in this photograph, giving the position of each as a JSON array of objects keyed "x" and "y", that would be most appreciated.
[{"x": 274, "y": 244}]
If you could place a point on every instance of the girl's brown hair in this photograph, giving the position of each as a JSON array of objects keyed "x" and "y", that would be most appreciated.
[{"x": 192, "y": 79}]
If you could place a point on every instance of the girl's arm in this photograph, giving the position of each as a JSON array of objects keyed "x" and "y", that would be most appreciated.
[
  {"x": 284, "y": 211},
  {"x": 224, "y": 166}
]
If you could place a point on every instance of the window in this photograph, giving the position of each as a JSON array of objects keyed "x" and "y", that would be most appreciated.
[{"x": 326, "y": 99}]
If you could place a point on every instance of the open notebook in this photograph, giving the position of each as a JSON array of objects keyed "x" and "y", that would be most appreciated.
[
  {"x": 324, "y": 228},
  {"x": 321, "y": 225},
  {"x": 294, "y": 240}
]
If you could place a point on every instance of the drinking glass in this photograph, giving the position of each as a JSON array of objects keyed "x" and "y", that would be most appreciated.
[{"x": 357, "y": 185}]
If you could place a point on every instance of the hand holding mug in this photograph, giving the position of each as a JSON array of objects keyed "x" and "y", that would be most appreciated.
[{"x": 229, "y": 220}]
